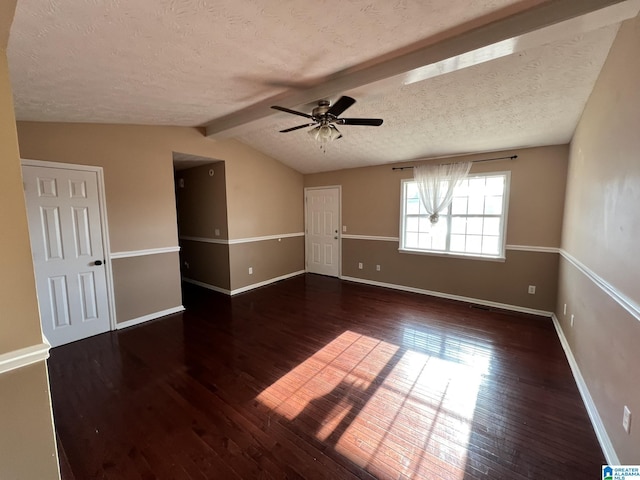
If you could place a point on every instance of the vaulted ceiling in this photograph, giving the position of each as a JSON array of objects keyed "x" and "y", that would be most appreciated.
[{"x": 447, "y": 76}]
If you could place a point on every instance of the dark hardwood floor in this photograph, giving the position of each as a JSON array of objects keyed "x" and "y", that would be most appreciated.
[{"x": 317, "y": 378}]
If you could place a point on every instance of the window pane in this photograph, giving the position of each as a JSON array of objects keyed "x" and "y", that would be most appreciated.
[
  {"x": 439, "y": 234},
  {"x": 474, "y": 244},
  {"x": 490, "y": 246},
  {"x": 439, "y": 242},
  {"x": 476, "y": 205},
  {"x": 477, "y": 217},
  {"x": 457, "y": 243},
  {"x": 413, "y": 206},
  {"x": 411, "y": 240},
  {"x": 495, "y": 185},
  {"x": 491, "y": 226},
  {"x": 458, "y": 225},
  {"x": 476, "y": 186},
  {"x": 425, "y": 224},
  {"x": 474, "y": 226},
  {"x": 412, "y": 224},
  {"x": 493, "y": 205},
  {"x": 459, "y": 205},
  {"x": 462, "y": 189},
  {"x": 424, "y": 240}
]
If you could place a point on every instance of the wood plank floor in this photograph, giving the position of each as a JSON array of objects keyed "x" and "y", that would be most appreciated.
[{"x": 322, "y": 379}]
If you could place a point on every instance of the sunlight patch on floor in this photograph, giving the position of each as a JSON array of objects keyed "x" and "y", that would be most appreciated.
[
  {"x": 393, "y": 409},
  {"x": 351, "y": 360}
]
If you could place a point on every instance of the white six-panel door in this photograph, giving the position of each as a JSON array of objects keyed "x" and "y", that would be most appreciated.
[
  {"x": 66, "y": 241},
  {"x": 322, "y": 230}
]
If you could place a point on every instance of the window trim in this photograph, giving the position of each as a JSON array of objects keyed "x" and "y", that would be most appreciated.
[{"x": 501, "y": 257}]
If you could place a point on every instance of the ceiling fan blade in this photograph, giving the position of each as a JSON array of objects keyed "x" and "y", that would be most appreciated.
[
  {"x": 296, "y": 128},
  {"x": 340, "y": 106},
  {"x": 371, "y": 122},
  {"x": 288, "y": 110}
]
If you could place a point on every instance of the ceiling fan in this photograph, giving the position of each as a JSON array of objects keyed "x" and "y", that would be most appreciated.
[{"x": 326, "y": 116}]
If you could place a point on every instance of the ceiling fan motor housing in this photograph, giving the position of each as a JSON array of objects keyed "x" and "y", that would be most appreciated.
[{"x": 320, "y": 112}]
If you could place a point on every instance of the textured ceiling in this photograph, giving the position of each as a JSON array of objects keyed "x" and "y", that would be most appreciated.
[
  {"x": 184, "y": 62},
  {"x": 187, "y": 62},
  {"x": 531, "y": 98}
]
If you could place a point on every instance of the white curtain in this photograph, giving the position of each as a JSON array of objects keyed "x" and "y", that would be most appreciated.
[{"x": 436, "y": 184}]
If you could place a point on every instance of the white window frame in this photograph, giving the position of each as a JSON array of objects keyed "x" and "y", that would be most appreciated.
[{"x": 444, "y": 253}]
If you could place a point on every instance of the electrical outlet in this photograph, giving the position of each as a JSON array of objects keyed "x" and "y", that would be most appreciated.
[
  {"x": 250, "y": 270},
  {"x": 186, "y": 265},
  {"x": 217, "y": 232},
  {"x": 572, "y": 319},
  {"x": 344, "y": 229},
  {"x": 359, "y": 265},
  {"x": 626, "y": 419},
  {"x": 532, "y": 289},
  {"x": 564, "y": 311},
  {"x": 377, "y": 268}
]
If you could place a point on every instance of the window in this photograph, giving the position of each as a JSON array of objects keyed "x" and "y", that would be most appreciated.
[{"x": 473, "y": 224}]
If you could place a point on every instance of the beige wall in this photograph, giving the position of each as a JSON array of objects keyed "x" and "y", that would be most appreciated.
[
  {"x": 19, "y": 320},
  {"x": 7, "y": 9},
  {"x": 142, "y": 286},
  {"x": 602, "y": 231},
  {"x": 502, "y": 282},
  {"x": 371, "y": 206},
  {"x": 27, "y": 441},
  {"x": 202, "y": 201},
  {"x": 268, "y": 258},
  {"x": 206, "y": 262},
  {"x": 202, "y": 208},
  {"x": 260, "y": 198},
  {"x": 263, "y": 195},
  {"x": 371, "y": 195},
  {"x": 138, "y": 172}
]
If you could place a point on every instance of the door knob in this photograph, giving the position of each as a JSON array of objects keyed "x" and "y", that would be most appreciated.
[
  {"x": 97, "y": 263},
  {"x": 335, "y": 238}
]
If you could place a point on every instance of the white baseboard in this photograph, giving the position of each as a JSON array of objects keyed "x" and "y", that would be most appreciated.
[
  {"x": 242, "y": 289},
  {"x": 266, "y": 282},
  {"x": 23, "y": 357},
  {"x": 478, "y": 301},
  {"x": 594, "y": 416},
  {"x": 207, "y": 286},
  {"x": 151, "y": 316}
]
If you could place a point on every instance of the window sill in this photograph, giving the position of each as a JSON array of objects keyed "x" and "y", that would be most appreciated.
[{"x": 463, "y": 256}]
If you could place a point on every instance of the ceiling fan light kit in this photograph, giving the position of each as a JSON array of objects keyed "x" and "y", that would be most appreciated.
[
  {"x": 325, "y": 133},
  {"x": 325, "y": 116}
]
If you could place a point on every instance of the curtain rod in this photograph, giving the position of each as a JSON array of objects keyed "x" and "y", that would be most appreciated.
[{"x": 512, "y": 157}]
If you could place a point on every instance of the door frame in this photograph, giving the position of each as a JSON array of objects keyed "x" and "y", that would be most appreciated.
[
  {"x": 104, "y": 223},
  {"x": 306, "y": 226}
]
